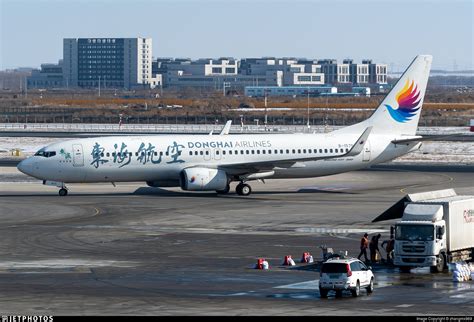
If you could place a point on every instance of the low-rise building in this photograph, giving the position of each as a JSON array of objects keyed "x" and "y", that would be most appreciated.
[
  {"x": 49, "y": 76},
  {"x": 312, "y": 91}
]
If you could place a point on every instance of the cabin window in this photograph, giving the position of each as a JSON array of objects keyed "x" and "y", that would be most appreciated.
[
  {"x": 223, "y": 152},
  {"x": 130, "y": 154},
  {"x": 207, "y": 153},
  {"x": 320, "y": 150},
  {"x": 309, "y": 150},
  {"x": 347, "y": 150},
  {"x": 304, "y": 150},
  {"x": 269, "y": 151},
  {"x": 336, "y": 150},
  {"x": 247, "y": 152},
  {"x": 325, "y": 150},
  {"x": 108, "y": 154},
  {"x": 263, "y": 151},
  {"x": 230, "y": 151},
  {"x": 276, "y": 151},
  {"x": 201, "y": 153},
  {"x": 281, "y": 151},
  {"x": 287, "y": 151},
  {"x": 253, "y": 151},
  {"x": 258, "y": 151},
  {"x": 330, "y": 150},
  {"x": 299, "y": 150},
  {"x": 293, "y": 151},
  {"x": 190, "y": 152}
]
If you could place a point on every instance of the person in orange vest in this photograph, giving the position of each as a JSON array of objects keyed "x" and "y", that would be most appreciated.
[{"x": 364, "y": 244}]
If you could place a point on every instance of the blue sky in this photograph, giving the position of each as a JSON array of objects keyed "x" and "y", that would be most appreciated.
[{"x": 392, "y": 32}]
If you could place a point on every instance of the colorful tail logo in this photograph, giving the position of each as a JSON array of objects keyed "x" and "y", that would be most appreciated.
[{"x": 408, "y": 100}]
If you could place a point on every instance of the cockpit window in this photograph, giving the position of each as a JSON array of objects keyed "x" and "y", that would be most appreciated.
[{"x": 46, "y": 154}]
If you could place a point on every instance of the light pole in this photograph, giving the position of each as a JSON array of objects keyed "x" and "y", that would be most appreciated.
[
  {"x": 307, "y": 116},
  {"x": 266, "y": 116},
  {"x": 99, "y": 85}
]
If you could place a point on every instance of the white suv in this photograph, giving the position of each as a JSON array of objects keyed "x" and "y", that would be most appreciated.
[{"x": 345, "y": 274}]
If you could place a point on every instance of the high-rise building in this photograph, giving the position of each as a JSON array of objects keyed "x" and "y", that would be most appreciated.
[{"x": 107, "y": 62}]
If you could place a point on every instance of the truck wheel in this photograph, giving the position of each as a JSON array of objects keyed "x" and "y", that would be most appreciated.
[
  {"x": 439, "y": 265},
  {"x": 405, "y": 269}
]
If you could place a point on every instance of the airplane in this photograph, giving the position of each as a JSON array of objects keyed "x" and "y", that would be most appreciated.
[{"x": 212, "y": 162}]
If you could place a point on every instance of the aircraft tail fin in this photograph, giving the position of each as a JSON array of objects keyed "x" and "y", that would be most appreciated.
[{"x": 399, "y": 112}]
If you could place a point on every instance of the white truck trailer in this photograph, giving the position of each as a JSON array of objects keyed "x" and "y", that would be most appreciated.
[{"x": 436, "y": 228}]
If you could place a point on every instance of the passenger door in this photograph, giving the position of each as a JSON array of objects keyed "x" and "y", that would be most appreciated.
[
  {"x": 355, "y": 268},
  {"x": 77, "y": 155},
  {"x": 364, "y": 273},
  {"x": 366, "y": 152}
]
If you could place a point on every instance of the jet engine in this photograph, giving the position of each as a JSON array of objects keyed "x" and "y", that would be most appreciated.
[{"x": 203, "y": 179}]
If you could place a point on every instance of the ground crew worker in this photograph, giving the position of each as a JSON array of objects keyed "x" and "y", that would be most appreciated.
[
  {"x": 374, "y": 247},
  {"x": 389, "y": 248},
  {"x": 364, "y": 243}
]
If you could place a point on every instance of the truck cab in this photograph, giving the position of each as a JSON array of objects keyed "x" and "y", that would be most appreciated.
[{"x": 420, "y": 238}]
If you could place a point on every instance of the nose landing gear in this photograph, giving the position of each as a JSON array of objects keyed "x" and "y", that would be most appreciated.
[{"x": 63, "y": 192}]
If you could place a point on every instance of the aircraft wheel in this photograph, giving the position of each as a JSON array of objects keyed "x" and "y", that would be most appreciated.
[
  {"x": 62, "y": 192},
  {"x": 243, "y": 189}
]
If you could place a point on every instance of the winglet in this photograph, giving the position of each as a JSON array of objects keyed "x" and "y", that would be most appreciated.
[
  {"x": 358, "y": 147},
  {"x": 226, "y": 128}
]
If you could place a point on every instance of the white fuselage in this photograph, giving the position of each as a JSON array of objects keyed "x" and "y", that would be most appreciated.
[{"x": 161, "y": 158}]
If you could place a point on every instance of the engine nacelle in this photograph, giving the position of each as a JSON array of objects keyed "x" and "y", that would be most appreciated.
[{"x": 203, "y": 179}]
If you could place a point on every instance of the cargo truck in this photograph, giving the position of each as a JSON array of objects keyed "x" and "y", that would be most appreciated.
[{"x": 436, "y": 229}]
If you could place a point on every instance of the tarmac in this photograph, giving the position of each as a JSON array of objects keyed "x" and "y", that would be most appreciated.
[{"x": 135, "y": 250}]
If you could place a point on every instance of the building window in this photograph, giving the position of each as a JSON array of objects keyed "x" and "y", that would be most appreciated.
[{"x": 304, "y": 78}]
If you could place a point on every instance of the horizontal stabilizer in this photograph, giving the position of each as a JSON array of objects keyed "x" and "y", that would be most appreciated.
[{"x": 425, "y": 138}]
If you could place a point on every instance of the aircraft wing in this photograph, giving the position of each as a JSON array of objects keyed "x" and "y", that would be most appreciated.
[
  {"x": 226, "y": 128},
  {"x": 251, "y": 167}
]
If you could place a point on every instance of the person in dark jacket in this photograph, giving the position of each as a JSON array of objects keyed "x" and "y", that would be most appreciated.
[
  {"x": 374, "y": 248},
  {"x": 364, "y": 243},
  {"x": 389, "y": 248}
]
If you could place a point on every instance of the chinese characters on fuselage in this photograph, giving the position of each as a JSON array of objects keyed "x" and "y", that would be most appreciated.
[{"x": 123, "y": 156}]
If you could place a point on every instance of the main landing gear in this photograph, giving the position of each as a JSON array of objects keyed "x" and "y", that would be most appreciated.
[
  {"x": 63, "y": 192},
  {"x": 243, "y": 189}
]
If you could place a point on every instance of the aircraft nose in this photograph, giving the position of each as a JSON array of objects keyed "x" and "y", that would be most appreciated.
[{"x": 26, "y": 166}]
